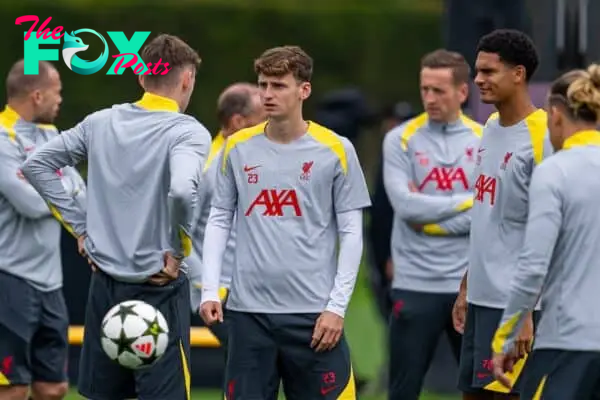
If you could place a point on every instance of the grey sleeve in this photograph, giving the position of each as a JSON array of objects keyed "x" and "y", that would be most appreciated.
[
  {"x": 543, "y": 226},
  {"x": 21, "y": 195},
  {"x": 187, "y": 156},
  {"x": 458, "y": 225},
  {"x": 412, "y": 206},
  {"x": 350, "y": 190},
  {"x": 225, "y": 194},
  {"x": 66, "y": 149}
]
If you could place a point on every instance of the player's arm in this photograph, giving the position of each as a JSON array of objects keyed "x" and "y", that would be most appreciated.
[
  {"x": 543, "y": 226},
  {"x": 66, "y": 149},
  {"x": 458, "y": 225},
  {"x": 20, "y": 194},
  {"x": 219, "y": 225},
  {"x": 186, "y": 160},
  {"x": 409, "y": 205},
  {"x": 350, "y": 197}
]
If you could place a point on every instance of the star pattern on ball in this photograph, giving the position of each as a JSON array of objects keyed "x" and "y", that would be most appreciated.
[
  {"x": 154, "y": 328},
  {"x": 124, "y": 311}
]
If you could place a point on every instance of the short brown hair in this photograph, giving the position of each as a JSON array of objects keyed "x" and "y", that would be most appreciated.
[
  {"x": 280, "y": 61},
  {"x": 452, "y": 60},
  {"x": 18, "y": 84},
  {"x": 168, "y": 49}
]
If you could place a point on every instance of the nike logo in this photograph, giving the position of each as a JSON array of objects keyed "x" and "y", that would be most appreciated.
[
  {"x": 480, "y": 150},
  {"x": 248, "y": 169},
  {"x": 326, "y": 390}
]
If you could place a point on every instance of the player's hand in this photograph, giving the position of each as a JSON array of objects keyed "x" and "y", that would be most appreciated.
[
  {"x": 525, "y": 339},
  {"x": 389, "y": 269},
  {"x": 503, "y": 364},
  {"x": 327, "y": 332},
  {"x": 211, "y": 312},
  {"x": 170, "y": 271},
  {"x": 20, "y": 175},
  {"x": 459, "y": 312},
  {"x": 82, "y": 252},
  {"x": 412, "y": 187}
]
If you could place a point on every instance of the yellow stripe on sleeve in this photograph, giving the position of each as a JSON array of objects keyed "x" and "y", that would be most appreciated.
[
  {"x": 186, "y": 243},
  {"x": 240, "y": 137},
  {"x": 537, "y": 124},
  {"x": 60, "y": 219},
  {"x": 332, "y": 141},
  {"x": 411, "y": 128}
]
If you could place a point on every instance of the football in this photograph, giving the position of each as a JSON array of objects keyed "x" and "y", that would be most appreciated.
[{"x": 134, "y": 334}]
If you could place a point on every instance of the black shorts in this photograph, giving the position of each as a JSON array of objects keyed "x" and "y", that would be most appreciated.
[
  {"x": 562, "y": 375},
  {"x": 476, "y": 369},
  {"x": 101, "y": 378},
  {"x": 265, "y": 349},
  {"x": 416, "y": 323},
  {"x": 33, "y": 333}
]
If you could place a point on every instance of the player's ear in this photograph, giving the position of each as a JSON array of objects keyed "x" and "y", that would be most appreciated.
[
  {"x": 305, "y": 90},
  {"x": 463, "y": 92},
  {"x": 187, "y": 79},
  {"x": 236, "y": 122},
  {"x": 141, "y": 80},
  {"x": 36, "y": 96},
  {"x": 520, "y": 74}
]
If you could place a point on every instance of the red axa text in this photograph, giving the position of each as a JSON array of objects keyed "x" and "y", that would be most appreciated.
[
  {"x": 444, "y": 178},
  {"x": 273, "y": 202},
  {"x": 484, "y": 186}
]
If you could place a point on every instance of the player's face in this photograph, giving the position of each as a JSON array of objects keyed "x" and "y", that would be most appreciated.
[
  {"x": 440, "y": 95},
  {"x": 496, "y": 80},
  {"x": 47, "y": 100},
  {"x": 282, "y": 96}
]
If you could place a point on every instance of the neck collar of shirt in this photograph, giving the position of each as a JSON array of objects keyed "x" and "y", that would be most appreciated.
[
  {"x": 9, "y": 116},
  {"x": 154, "y": 102},
  {"x": 445, "y": 126},
  {"x": 582, "y": 138}
]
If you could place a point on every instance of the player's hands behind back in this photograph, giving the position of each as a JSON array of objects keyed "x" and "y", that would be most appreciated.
[
  {"x": 83, "y": 253},
  {"x": 170, "y": 271},
  {"x": 525, "y": 338},
  {"x": 327, "y": 332}
]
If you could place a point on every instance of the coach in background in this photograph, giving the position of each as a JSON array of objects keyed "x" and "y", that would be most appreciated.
[
  {"x": 238, "y": 107},
  {"x": 33, "y": 317},
  {"x": 428, "y": 167}
]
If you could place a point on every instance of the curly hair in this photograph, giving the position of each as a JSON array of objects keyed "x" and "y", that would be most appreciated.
[{"x": 513, "y": 47}]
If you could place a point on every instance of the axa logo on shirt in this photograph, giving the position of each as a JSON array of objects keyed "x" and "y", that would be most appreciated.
[
  {"x": 484, "y": 186},
  {"x": 275, "y": 202},
  {"x": 445, "y": 178}
]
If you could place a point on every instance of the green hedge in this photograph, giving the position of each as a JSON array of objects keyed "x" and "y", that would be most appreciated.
[{"x": 377, "y": 49}]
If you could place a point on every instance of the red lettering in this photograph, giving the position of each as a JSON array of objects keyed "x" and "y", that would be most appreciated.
[
  {"x": 148, "y": 70},
  {"x": 167, "y": 69},
  {"x": 157, "y": 66},
  {"x": 56, "y": 31},
  {"x": 485, "y": 184},
  {"x": 444, "y": 178},
  {"x": 128, "y": 64},
  {"x": 138, "y": 68},
  {"x": 42, "y": 30},
  {"x": 274, "y": 201}
]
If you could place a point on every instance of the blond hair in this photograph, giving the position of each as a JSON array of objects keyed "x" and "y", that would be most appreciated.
[{"x": 579, "y": 91}]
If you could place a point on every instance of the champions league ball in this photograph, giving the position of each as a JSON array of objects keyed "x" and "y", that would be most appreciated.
[{"x": 134, "y": 334}]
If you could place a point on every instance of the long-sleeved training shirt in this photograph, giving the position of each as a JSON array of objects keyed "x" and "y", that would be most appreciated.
[
  {"x": 506, "y": 158},
  {"x": 437, "y": 160},
  {"x": 560, "y": 256},
  {"x": 289, "y": 199},
  {"x": 29, "y": 234},
  {"x": 144, "y": 165},
  {"x": 201, "y": 213}
]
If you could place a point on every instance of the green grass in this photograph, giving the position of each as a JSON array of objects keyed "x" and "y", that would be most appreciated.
[{"x": 365, "y": 332}]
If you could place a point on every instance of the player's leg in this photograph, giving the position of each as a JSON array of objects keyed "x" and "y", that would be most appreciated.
[
  {"x": 252, "y": 371},
  {"x": 170, "y": 377},
  {"x": 416, "y": 324},
  {"x": 18, "y": 321},
  {"x": 49, "y": 349},
  {"x": 559, "y": 375},
  {"x": 486, "y": 323},
  {"x": 100, "y": 378},
  {"x": 305, "y": 373},
  {"x": 467, "y": 361}
]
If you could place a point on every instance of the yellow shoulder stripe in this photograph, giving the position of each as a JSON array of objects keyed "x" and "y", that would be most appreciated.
[
  {"x": 411, "y": 128},
  {"x": 493, "y": 117},
  {"x": 8, "y": 120},
  {"x": 216, "y": 146},
  {"x": 537, "y": 124},
  {"x": 473, "y": 125},
  {"x": 332, "y": 141},
  {"x": 240, "y": 137}
]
